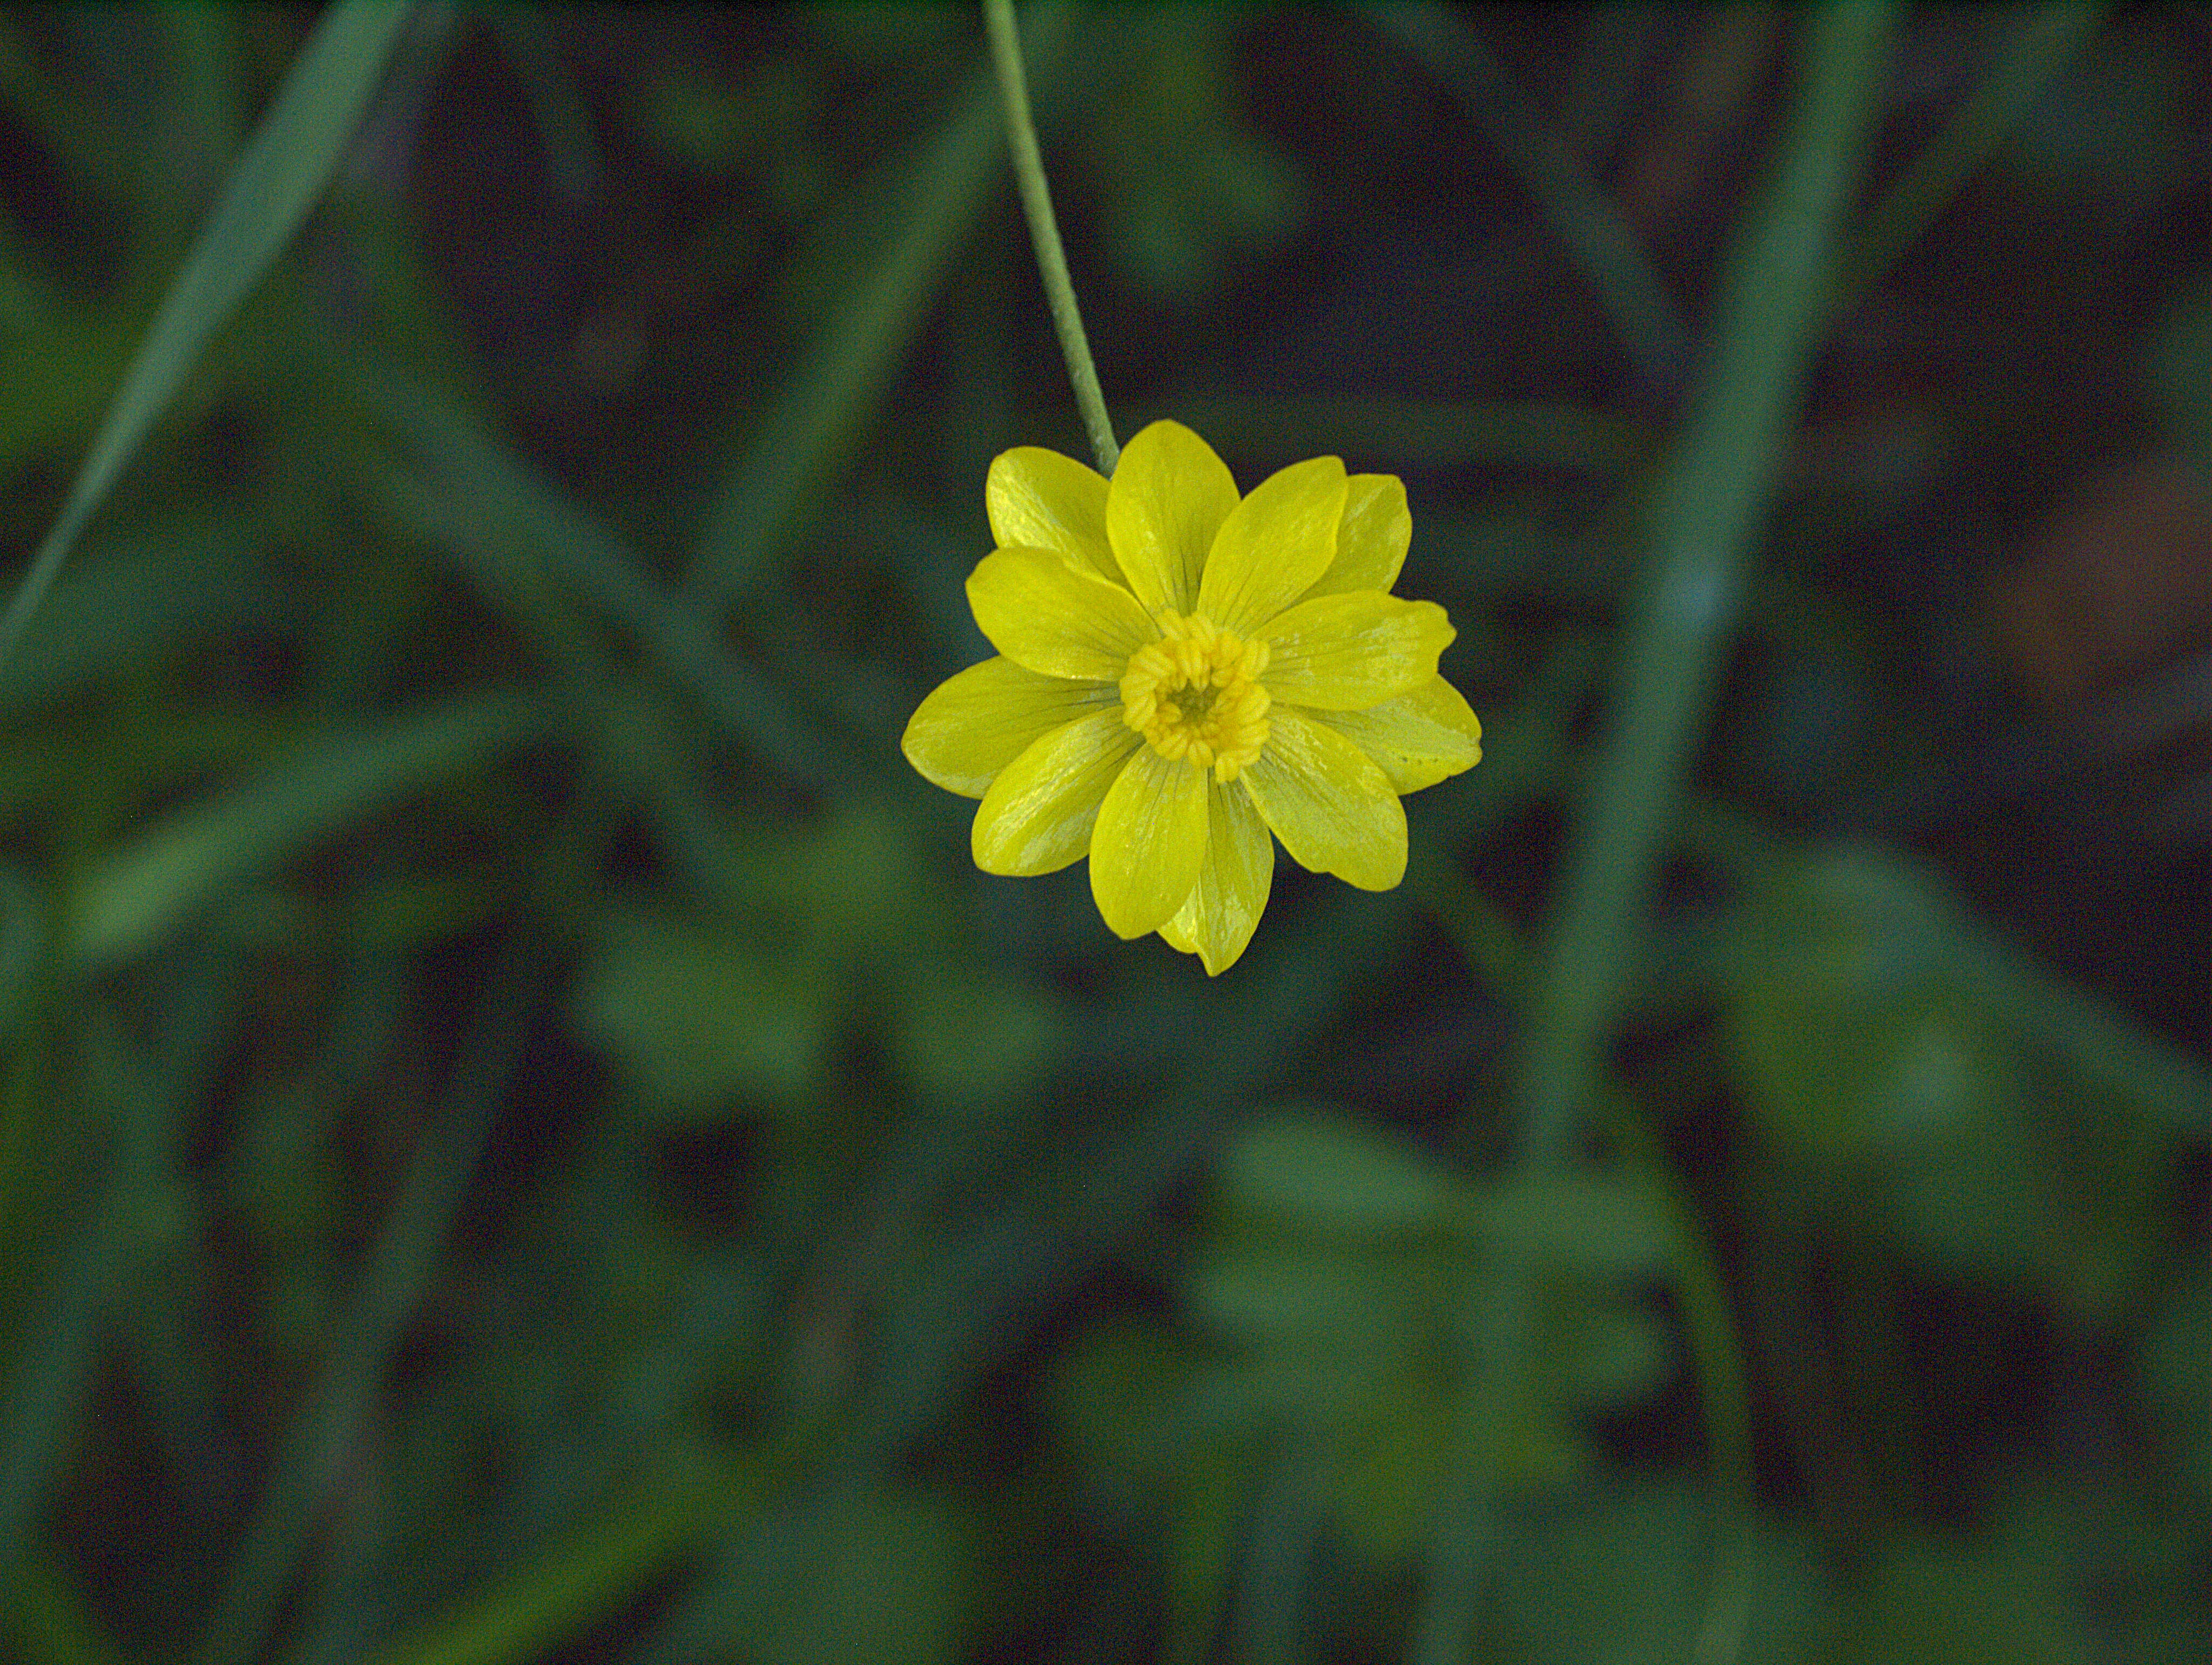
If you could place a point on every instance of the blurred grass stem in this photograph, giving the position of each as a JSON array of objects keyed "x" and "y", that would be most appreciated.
[
  {"x": 1712, "y": 501},
  {"x": 1044, "y": 232},
  {"x": 1606, "y": 248},
  {"x": 2041, "y": 45},
  {"x": 324, "y": 1438}
]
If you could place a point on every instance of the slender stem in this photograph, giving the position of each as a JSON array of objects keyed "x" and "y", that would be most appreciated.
[
  {"x": 1044, "y": 231},
  {"x": 1713, "y": 499}
]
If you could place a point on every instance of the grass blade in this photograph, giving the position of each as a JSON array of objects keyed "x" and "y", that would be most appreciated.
[
  {"x": 324, "y": 1432},
  {"x": 2043, "y": 43},
  {"x": 130, "y": 903},
  {"x": 529, "y": 1612},
  {"x": 508, "y": 525},
  {"x": 280, "y": 178}
]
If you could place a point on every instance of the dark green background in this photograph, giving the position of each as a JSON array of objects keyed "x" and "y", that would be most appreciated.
[{"x": 524, "y": 1137}]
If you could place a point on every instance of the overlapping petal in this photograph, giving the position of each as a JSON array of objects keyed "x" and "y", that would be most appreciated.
[
  {"x": 1371, "y": 542},
  {"x": 1329, "y": 803},
  {"x": 1417, "y": 739},
  {"x": 1274, "y": 546},
  {"x": 1048, "y": 616},
  {"x": 1039, "y": 500},
  {"x": 1346, "y": 652},
  {"x": 1039, "y": 814},
  {"x": 1150, "y": 842},
  {"x": 1167, "y": 501},
  {"x": 1219, "y": 916},
  {"x": 973, "y": 725}
]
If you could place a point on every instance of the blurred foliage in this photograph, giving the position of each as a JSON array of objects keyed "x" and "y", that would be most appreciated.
[{"x": 523, "y": 1137}]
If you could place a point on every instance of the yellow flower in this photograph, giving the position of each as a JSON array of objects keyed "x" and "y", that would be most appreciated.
[{"x": 1184, "y": 672}]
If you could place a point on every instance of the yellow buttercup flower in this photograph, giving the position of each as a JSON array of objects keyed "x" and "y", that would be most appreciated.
[{"x": 1184, "y": 672}]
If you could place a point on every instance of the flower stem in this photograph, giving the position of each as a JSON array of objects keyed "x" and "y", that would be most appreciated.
[{"x": 1044, "y": 231}]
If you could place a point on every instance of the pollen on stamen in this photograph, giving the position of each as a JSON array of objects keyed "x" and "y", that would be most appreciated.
[{"x": 1219, "y": 721}]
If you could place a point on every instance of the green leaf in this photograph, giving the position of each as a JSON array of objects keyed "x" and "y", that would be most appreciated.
[
  {"x": 880, "y": 1577},
  {"x": 1621, "y": 1580},
  {"x": 23, "y": 925},
  {"x": 1593, "y": 1226},
  {"x": 1609, "y": 1356},
  {"x": 1199, "y": 1546},
  {"x": 1397, "y": 1455},
  {"x": 964, "y": 1038},
  {"x": 1847, "y": 1032},
  {"x": 185, "y": 580},
  {"x": 702, "y": 1018},
  {"x": 1940, "y": 1603},
  {"x": 1253, "y": 1292},
  {"x": 1324, "y": 1173},
  {"x": 2174, "y": 1361},
  {"x": 530, "y": 1608},
  {"x": 1111, "y": 1395},
  {"x": 47, "y": 1617}
]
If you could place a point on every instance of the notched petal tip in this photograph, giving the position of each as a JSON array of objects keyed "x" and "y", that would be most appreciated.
[
  {"x": 1344, "y": 653},
  {"x": 1418, "y": 738},
  {"x": 1372, "y": 538}
]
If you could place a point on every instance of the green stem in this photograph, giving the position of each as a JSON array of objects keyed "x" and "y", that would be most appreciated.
[
  {"x": 1712, "y": 503},
  {"x": 1044, "y": 231}
]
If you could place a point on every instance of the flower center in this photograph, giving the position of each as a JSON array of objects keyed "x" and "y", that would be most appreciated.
[{"x": 1196, "y": 694}]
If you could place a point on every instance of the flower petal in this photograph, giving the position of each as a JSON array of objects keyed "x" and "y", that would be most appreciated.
[
  {"x": 1168, "y": 498},
  {"x": 1371, "y": 541},
  {"x": 1418, "y": 738},
  {"x": 1039, "y": 500},
  {"x": 973, "y": 724},
  {"x": 1150, "y": 842},
  {"x": 1037, "y": 816},
  {"x": 1218, "y": 917},
  {"x": 1047, "y": 616},
  {"x": 1347, "y": 652},
  {"x": 1274, "y": 545},
  {"x": 1328, "y": 802}
]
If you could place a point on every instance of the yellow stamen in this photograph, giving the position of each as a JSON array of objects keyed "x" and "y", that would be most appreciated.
[{"x": 1196, "y": 693}]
